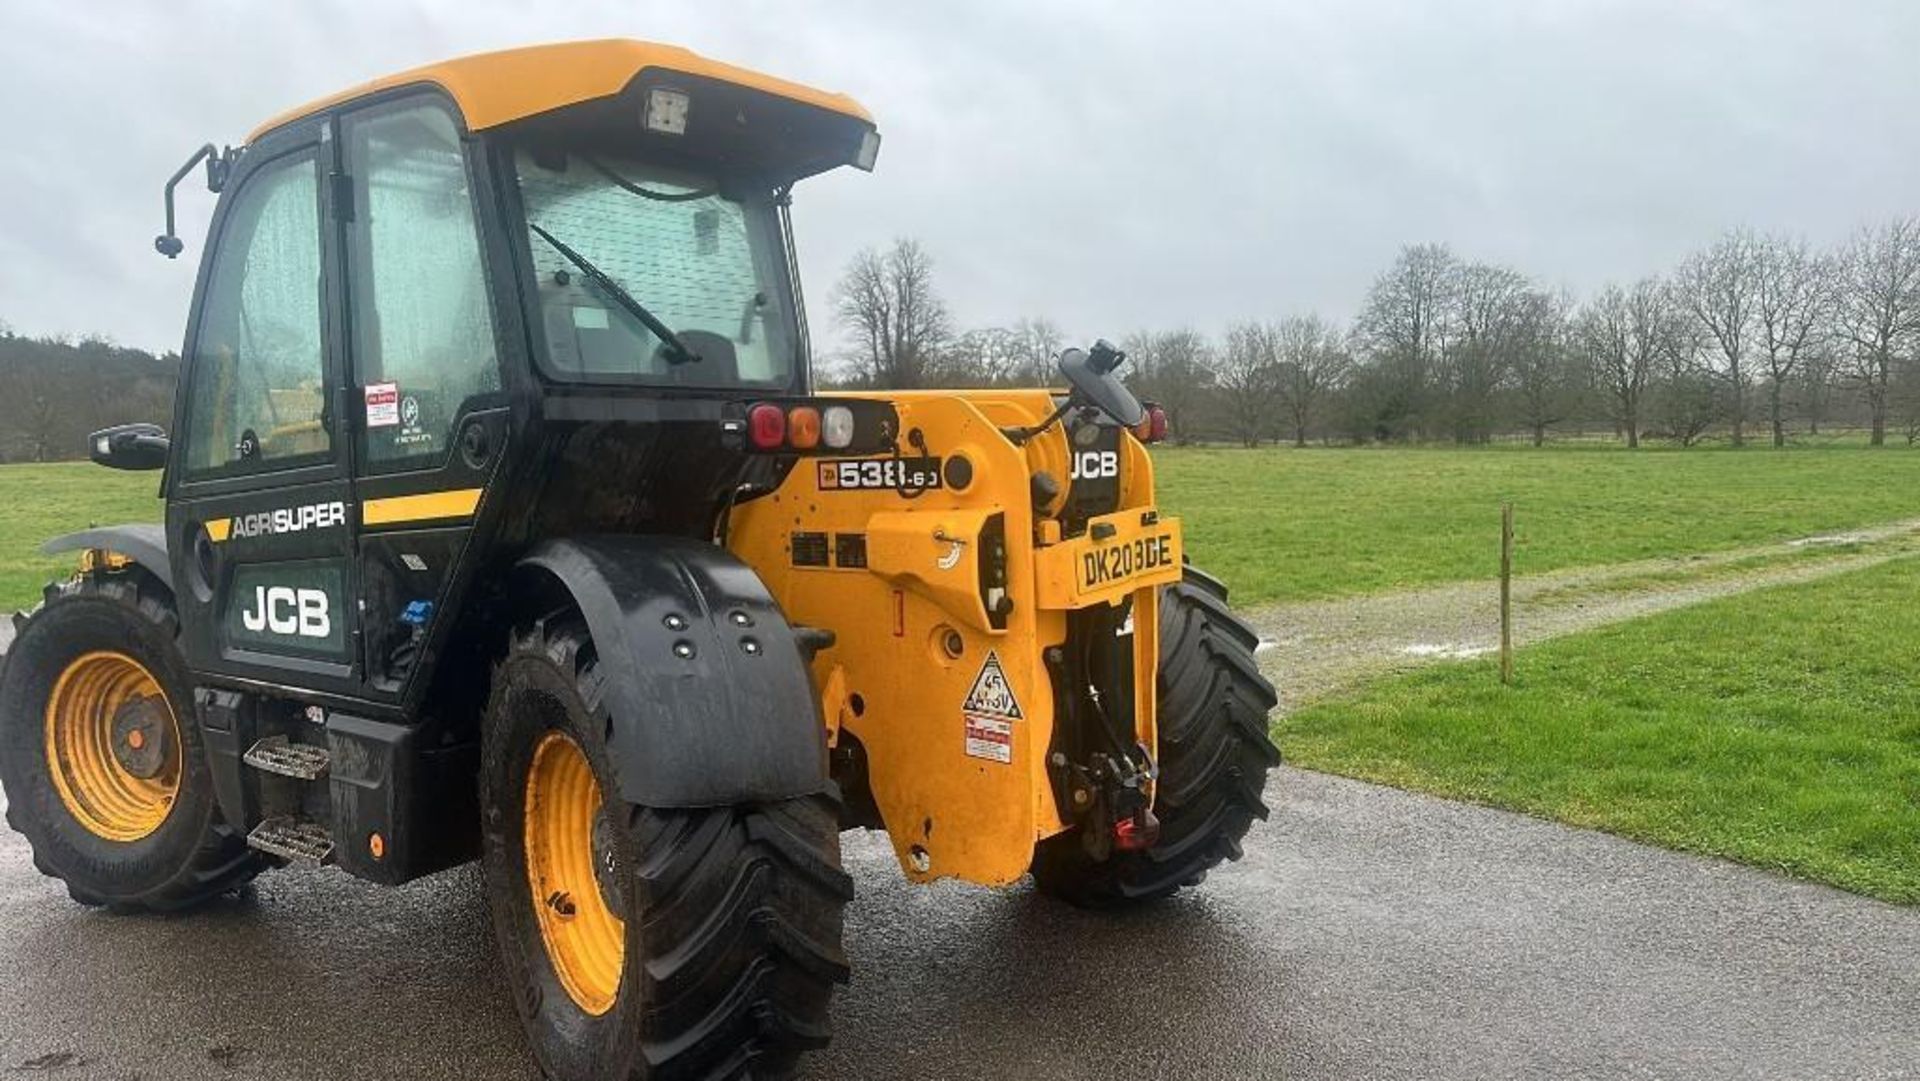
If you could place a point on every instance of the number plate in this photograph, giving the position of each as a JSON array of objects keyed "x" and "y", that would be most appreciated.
[
  {"x": 1118, "y": 562},
  {"x": 1119, "y": 553},
  {"x": 879, "y": 474}
]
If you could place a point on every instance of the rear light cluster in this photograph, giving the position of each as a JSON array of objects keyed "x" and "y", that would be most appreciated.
[
  {"x": 799, "y": 427},
  {"x": 1153, "y": 426}
]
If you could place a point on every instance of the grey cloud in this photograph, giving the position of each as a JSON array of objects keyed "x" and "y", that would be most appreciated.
[{"x": 1110, "y": 165}]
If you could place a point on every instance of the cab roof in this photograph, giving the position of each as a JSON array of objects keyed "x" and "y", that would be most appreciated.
[{"x": 500, "y": 87}]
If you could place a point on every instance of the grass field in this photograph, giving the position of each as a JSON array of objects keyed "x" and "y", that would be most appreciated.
[
  {"x": 42, "y": 501},
  {"x": 1318, "y": 523},
  {"x": 1779, "y": 728},
  {"x": 1283, "y": 524}
]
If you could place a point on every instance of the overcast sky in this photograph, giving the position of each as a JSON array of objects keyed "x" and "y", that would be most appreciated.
[{"x": 1110, "y": 165}]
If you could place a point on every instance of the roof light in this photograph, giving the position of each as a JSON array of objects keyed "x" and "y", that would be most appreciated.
[
  {"x": 803, "y": 427},
  {"x": 869, "y": 151},
  {"x": 836, "y": 426},
  {"x": 766, "y": 426},
  {"x": 1153, "y": 424},
  {"x": 667, "y": 110}
]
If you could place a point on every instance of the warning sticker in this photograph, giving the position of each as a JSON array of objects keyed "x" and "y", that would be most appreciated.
[
  {"x": 992, "y": 695},
  {"x": 990, "y": 738},
  {"x": 989, "y": 712},
  {"x": 383, "y": 405}
]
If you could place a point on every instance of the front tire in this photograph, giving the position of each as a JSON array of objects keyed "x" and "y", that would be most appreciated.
[
  {"x": 643, "y": 942},
  {"x": 1214, "y": 758},
  {"x": 100, "y": 751}
]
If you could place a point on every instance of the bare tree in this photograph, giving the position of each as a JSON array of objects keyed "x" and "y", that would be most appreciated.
[
  {"x": 1313, "y": 364},
  {"x": 1247, "y": 374},
  {"x": 986, "y": 357},
  {"x": 1718, "y": 285},
  {"x": 1690, "y": 395},
  {"x": 1790, "y": 298},
  {"x": 1489, "y": 308},
  {"x": 1601, "y": 334},
  {"x": 1173, "y": 369},
  {"x": 1040, "y": 342},
  {"x": 887, "y": 305},
  {"x": 1877, "y": 311},
  {"x": 1818, "y": 370},
  {"x": 1542, "y": 368},
  {"x": 1631, "y": 339},
  {"x": 1404, "y": 328}
]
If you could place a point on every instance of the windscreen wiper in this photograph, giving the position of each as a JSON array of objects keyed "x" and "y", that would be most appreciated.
[{"x": 677, "y": 351}]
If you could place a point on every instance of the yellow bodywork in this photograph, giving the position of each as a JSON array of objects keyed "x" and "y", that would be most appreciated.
[
  {"x": 894, "y": 679},
  {"x": 497, "y": 88}
]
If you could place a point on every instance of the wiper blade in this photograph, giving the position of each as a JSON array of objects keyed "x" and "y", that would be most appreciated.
[{"x": 677, "y": 351}]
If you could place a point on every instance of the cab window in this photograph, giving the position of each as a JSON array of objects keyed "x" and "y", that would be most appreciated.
[
  {"x": 259, "y": 371},
  {"x": 701, "y": 256},
  {"x": 423, "y": 341}
]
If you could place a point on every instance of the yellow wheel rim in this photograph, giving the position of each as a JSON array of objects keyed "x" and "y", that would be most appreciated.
[
  {"x": 113, "y": 746},
  {"x": 585, "y": 941}
]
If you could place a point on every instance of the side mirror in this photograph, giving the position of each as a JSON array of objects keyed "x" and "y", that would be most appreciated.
[
  {"x": 130, "y": 446},
  {"x": 1090, "y": 374}
]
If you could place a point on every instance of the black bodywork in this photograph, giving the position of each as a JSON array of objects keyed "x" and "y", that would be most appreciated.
[{"x": 704, "y": 678}]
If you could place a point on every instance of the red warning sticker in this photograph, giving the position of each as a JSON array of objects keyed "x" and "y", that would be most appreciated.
[
  {"x": 989, "y": 738},
  {"x": 989, "y": 711}
]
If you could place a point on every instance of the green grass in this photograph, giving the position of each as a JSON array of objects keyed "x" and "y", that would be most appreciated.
[
  {"x": 42, "y": 501},
  {"x": 1284, "y": 525},
  {"x": 1779, "y": 728}
]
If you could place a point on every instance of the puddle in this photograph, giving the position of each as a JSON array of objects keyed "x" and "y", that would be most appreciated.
[{"x": 1445, "y": 651}]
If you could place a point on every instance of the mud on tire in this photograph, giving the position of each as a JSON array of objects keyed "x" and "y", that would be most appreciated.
[
  {"x": 732, "y": 915},
  {"x": 1214, "y": 757},
  {"x": 193, "y": 855}
]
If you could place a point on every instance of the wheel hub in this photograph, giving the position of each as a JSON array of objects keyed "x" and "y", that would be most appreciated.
[{"x": 143, "y": 736}]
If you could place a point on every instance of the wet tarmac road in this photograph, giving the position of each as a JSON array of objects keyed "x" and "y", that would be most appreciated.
[{"x": 1368, "y": 933}]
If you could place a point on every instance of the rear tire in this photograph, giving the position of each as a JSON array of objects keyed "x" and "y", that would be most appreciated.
[
  {"x": 131, "y": 843},
  {"x": 1214, "y": 758},
  {"x": 730, "y": 917}
]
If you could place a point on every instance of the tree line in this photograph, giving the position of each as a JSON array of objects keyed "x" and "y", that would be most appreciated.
[
  {"x": 56, "y": 391},
  {"x": 1754, "y": 336}
]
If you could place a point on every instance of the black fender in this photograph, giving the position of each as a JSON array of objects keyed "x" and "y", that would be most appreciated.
[
  {"x": 145, "y": 543},
  {"x": 708, "y": 694}
]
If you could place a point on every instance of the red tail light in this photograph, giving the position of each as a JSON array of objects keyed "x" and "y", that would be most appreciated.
[
  {"x": 1152, "y": 427},
  {"x": 766, "y": 426}
]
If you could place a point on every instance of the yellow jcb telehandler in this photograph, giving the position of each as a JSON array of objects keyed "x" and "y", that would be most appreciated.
[{"x": 503, "y": 522}]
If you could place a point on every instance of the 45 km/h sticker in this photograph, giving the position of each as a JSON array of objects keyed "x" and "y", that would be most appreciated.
[{"x": 989, "y": 712}]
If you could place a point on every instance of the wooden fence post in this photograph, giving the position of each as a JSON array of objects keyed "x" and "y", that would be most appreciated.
[{"x": 1506, "y": 593}]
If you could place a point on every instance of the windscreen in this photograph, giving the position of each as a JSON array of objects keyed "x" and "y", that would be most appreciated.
[{"x": 701, "y": 258}]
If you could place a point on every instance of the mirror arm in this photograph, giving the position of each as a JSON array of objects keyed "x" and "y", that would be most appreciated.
[
  {"x": 219, "y": 164},
  {"x": 1019, "y": 436}
]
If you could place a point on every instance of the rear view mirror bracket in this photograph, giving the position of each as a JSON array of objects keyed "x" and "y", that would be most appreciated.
[{"x": 219, "y": 166}]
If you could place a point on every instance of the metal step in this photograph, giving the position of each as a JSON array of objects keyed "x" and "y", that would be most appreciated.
[
  {"x": 302, "y": 761},
  {"x": 294, "y": 838}
]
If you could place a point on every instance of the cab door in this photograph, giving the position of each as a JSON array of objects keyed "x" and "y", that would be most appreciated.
[
  {"x": 259, "y": 494},
  {"x": 424, "y": 376}
]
